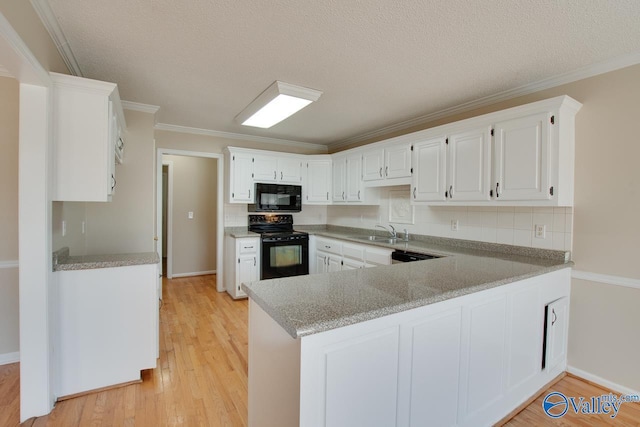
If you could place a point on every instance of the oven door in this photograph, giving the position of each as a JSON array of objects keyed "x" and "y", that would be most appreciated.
[{"x": 283, "y": 258}]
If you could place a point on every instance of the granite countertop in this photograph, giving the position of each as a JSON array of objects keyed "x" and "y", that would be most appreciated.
[
  {"x": 63, "y": 262},
  {"x": 239, "y": 232},
  {"x": 305, "y": 305}
]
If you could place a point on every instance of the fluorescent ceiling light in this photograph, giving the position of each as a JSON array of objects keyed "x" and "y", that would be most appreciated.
[{"x": 276, "y": 103}]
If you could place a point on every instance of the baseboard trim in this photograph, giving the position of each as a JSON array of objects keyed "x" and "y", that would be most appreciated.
[
  {"x": 7, "y": 358},
  {"x": 195, "y": 273},
  {"x": 599, "y": 381},
  {"x": 606, "y": 279}
]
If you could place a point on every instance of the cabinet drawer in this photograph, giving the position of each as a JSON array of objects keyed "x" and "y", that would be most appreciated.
[
  {"x": 353, "y": 251},
  {"x": 328, "y": 245},
  {"x": 248, "y": 246}
]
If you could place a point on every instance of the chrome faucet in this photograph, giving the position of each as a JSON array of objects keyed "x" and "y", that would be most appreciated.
[{"x": 392, "y": 232}]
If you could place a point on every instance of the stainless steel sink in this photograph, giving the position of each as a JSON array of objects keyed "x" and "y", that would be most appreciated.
[{"x": 381, "y": 239}]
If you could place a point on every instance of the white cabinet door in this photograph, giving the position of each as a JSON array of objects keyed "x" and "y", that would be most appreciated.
[
  {"x": 430, "y": 174},
  {"x": 339, "y": 179},
  {"x": 321, "y": 262},
  {"x": 469, "y": 165},
  {"x": 241, "y": 182},
  {"x": 247, "y": 272},
  {"x": 373, "y": 164},
  {"x": 483, "y": 359},
  {"x": 265, "y": 168},
  {"x": 433, "y": 365},
  {"x": 244, "y": 254},
  {"x": 334, "y": 263},
  {"x": 397, "y": 161},
  {"x": 361, "y": 381},
  {"x": 354, "y": 178},
  {"x": 289, "y": 170},
  {"x": 522, "y": 158},
  {"x": 557, "y": 327},
  {"x": 318, "y": 183}
]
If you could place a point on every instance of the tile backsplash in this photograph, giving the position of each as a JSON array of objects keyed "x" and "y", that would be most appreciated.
[{"x": 509, "y": 225}]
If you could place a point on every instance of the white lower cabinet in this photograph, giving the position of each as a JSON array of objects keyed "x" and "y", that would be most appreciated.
[
  {"x": 466, "y": 361},
  {"x": 336, "y": 255},
  {"x": 106, "y": 326},
  {"x": 242, "y": 257}
]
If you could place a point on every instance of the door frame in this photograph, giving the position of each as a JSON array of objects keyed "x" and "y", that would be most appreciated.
[
  {"x": 219, "y": 213},
  {"x": 169, "y": 236}
]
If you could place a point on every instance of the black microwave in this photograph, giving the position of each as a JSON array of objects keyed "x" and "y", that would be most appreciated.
[{"x": 277, "y": 198}]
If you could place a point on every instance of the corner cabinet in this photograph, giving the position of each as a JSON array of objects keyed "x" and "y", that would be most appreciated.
[
  {"x": 87, "y": 125},
  {"x": 242, "y": 257},
  {"x": 348, "y": 186}
]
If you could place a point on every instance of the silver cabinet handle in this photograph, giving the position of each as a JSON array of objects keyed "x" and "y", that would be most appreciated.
[
  {"x": 386, "y": 171},
  {"x": 114, "y": 182},
  {"x": 254, "y": 261},
  {"x": 451, "y": 191},
  {"x": 327, "y": 195},
  {"x": 358, "y": 194},
  {"x": 343, "y": 195},
  {"x": 281, "y": 176},
  {"x": 497, "y": 189},
  {"x": 414, "y": 192},
  {"x": 380, "y": 171},
  {"x": 555, "y": 317},
  {"x": 249, "y": 193},
  {"x": 275, "y": 175}
]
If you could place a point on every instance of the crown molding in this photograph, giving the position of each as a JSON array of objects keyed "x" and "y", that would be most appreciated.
[
  {"x": 548, "y": 83},
  {"x": 143, "y": 108},
  {"x": 4, "y": 72},
  {"x": 50, "y": 22},
  {"x": 240, "y": 136}
]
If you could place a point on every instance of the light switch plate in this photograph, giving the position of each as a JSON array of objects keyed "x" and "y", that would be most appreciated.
[{"x": 190, "y": 215}]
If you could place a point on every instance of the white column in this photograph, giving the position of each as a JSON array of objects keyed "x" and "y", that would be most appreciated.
[{"x": 36, "y": 397}]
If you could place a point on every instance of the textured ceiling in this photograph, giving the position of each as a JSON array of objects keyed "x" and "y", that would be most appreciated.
[{"x": 378, "y": 62}]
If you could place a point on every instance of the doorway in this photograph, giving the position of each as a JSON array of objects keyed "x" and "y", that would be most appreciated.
[{"x": 189, "y": 222}]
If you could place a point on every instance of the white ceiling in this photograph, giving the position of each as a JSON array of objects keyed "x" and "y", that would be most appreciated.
[{"x": 378, "y": 62}]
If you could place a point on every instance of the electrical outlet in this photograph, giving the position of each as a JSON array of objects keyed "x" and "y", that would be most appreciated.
[
  {"x": 190, "y": 215},
  {"x": 540, "y": 231},
  {"x": 454, "y": 225}
]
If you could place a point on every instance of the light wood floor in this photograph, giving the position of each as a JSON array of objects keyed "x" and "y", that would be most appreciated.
[{"x": 201, "y": 377}]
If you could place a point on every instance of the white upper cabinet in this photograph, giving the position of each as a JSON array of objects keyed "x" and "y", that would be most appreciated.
[
  {"x": 469, "y": 165},
  {"x": 522, "y": 158},
  {"x": 277, "y": 168},
  {"x": 240, "y": 170},
  {"x": 87, "y": 123},
  {"x": 373, "y": 164},
  {"x": 339, "y": 176},
  {"x": 354, "y": 186},
  {"x": 347, "y": 180},
  {"x": 388, "y": 165},
  {"x": 316, "y": 185},
  {"x": 429, "y": 181}
]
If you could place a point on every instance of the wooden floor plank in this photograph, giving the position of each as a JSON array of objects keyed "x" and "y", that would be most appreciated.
[{"x": 201, "y": 377}]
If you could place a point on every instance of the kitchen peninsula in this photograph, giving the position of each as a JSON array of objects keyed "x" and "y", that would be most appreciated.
[{"x": 459, "y": 340}]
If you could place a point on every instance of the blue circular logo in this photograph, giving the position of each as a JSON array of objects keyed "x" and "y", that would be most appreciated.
[{"x": 555, "y": 404}]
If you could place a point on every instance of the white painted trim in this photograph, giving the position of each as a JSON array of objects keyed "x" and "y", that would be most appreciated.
[
  {"x": 220, "y": 213},
  {"x": 9, "y": 264},
  {"x": 601, "y": 381},
  {"x": 50, "y": 22},
  {"x": 240, "y": 136},
  {"x": 4, "y": 72},
  {"x": 569, "y": 77},
  {"x": 169, "y": 272},
  {"x": 143, "y": 108},
  {"x": 18, "y": 59},
  {"x": 195, "y": 273},
  {"x": 606, "y": 278},
  {"x": 7, "y": 358}
]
